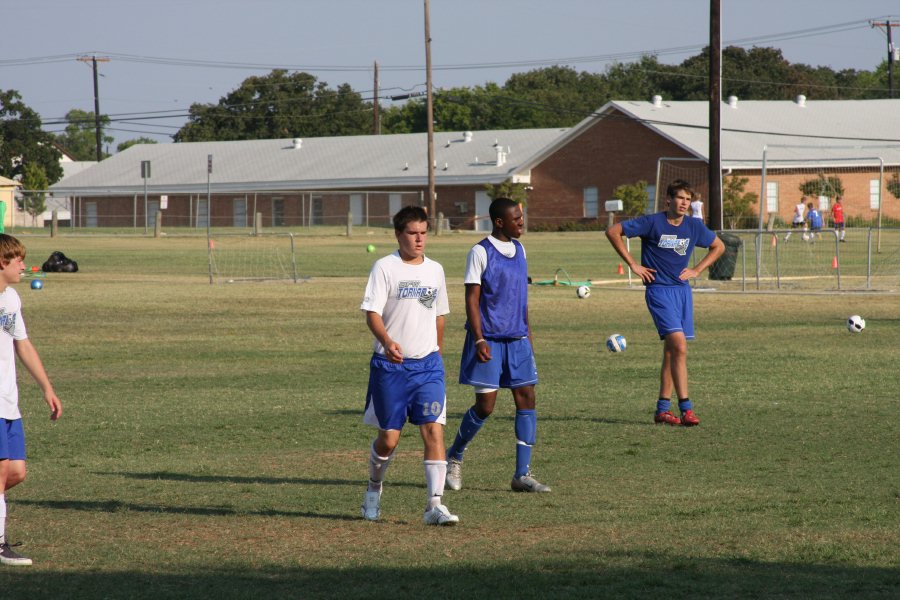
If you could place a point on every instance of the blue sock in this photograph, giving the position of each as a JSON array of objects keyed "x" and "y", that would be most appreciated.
[
  {"x": 684, "y": 405},
  {"x": 526, "y": 434},
  {"x": 469, "y": 426},
  {"x": 663, "y": 405}
]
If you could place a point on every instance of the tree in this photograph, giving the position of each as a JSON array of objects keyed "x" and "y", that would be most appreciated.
[
  {"x": 22, "y": 141},
  {"x": 830, "y": 186},
  {"x": 893, "y": 186},
  {"x": 279, "y": 105},
  {"x": 736, "y": 203},
  {"x": 517, "y": 192},
  {"x": 634, "y": 198},
  {"x": 80, "y": 136},
  {"x": 129, "y": 143},
  {"x": 35, "y": 183}
]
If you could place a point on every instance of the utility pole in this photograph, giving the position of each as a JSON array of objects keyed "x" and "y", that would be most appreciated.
[
  {"x": 377, "y": 125},
  {"x": 429, "y": 111},
  {"x": 893, "y": 53},
  {"x": 94, "y": 60},
  {"x": 715, "y": 115}
]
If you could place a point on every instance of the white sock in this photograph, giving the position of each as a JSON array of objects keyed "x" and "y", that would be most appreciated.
[
  {"x": 377, "y": 467},
  {"x": 435, "y": 476},
  {"x": 2, "y": 518}
]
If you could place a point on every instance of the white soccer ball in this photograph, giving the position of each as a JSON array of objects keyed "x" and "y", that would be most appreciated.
[
  {"x": 616, "y": 343},
  {"x": 856, "y": 324},
  {"x": 583, "y": 291}
]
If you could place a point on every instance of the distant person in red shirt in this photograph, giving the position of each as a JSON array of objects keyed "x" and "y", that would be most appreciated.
[{"x": 837, "y": 216}]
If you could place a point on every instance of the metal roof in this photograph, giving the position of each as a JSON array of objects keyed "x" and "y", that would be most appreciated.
[
  {"x": 808, "y": 132},
  {"x": 348, "y": 162}
]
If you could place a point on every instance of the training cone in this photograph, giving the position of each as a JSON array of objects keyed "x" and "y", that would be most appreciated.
[
  {"x": 834, "y": 263},
  {"x": 774, "y": 240},
  {"x": 620, "y": 271}
]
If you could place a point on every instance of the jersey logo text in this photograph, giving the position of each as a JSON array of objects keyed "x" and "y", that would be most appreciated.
[
  {"x": 413, "y": 290},
  {"x": 680, "y": 246}
]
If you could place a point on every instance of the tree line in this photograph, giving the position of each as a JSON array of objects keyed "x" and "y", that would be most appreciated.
[{"x": 282, "y": 104}]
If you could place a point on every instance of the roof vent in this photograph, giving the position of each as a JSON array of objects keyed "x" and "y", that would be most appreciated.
[
  {"x": 732, "y": 101},
  {"x": 657, "y": 101},
  {"x": 297, "y": 143},
  {"x": 501, "y": 156},
  {"x": 467, "y": 136},
  {"x": 801, "y": 100}
]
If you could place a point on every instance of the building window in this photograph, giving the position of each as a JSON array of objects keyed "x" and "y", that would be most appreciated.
[
  {"x": 874, "y": 194},
  {"x": 277, "y": 212},
  {"x": 651, "y": 200},
  {"x": 772, "y": 196},
  {"x": 591, "y": 209}
]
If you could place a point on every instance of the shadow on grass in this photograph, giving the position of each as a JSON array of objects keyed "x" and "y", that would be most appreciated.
[
  {"x": 115, "y": 506},
  {"x": 191, "y": 478},
  {"x": 612, "y": 575},
  {"x": 457, "y": 416}
]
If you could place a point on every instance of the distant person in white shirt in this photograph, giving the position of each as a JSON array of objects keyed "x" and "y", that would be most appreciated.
[
  {"x": 798, "y": 222},
  {"x": 697, "y": 207}
]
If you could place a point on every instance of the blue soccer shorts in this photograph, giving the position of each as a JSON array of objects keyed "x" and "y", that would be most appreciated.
[
  {"x": 12, "y": 439},
  {"x": 412, "y": 390},
  {"x": 512, "y": 364},
  {"x": 672, "y": 309}
]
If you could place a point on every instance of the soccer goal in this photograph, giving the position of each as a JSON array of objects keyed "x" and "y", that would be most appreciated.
[
  {"x": 241, "y": 257},
  {"x": 668, "y": 168}
]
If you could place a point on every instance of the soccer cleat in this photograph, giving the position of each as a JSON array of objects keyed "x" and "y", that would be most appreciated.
[
  {"x": 689, "y": 419},
  {"x": 667, "y": 418},
  {"x": 8, "y": 556},
  {"x": 371, "y": 506},
  {"x": 454, "y": 474},
  {"x": 440, "y": 515},
  {"x": 527, "y": 483}
]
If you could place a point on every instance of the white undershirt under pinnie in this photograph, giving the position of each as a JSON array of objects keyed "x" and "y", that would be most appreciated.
[{"x": 476, "y": 261}]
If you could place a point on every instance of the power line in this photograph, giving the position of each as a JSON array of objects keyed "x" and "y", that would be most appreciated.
[{"x": 835, "y": 28}]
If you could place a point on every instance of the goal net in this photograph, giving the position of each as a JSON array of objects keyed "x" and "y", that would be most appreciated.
[{"x": 242, "y": 257}]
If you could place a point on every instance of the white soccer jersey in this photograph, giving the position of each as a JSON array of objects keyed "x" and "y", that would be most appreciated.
[
  {"x": 409, "y": 299},
  {"x": 12, "y": 327},
  {"x": 476, "y": 261}
]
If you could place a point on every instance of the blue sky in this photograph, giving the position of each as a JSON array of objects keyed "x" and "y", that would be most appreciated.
[{"x": 210, "y": 46}]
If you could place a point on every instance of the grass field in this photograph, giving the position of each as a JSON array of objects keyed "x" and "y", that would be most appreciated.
[{"x": 212, "y": 445}]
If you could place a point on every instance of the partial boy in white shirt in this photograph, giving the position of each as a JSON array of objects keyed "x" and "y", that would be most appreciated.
[{"x": 14, "y": 342}]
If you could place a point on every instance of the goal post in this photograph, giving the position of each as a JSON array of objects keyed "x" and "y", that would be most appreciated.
[{"x": 235, "y": 257}]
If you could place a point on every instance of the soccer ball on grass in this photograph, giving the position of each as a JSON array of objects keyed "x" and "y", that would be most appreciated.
[
  {"x": 616, "y": 343},
  {"x": 583, "y": 291},
  {"x": 856, "y": 324}
]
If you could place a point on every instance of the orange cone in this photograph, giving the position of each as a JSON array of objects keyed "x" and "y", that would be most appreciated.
[
  {"x": 774, "y": 240},
  {"x": 621, "y": 271},
  {"x": 212, "y": 245},
  {"x": 834, "y": 263}
]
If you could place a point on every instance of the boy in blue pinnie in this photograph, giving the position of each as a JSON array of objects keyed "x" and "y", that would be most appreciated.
[
  {"x": 498, "y": 351},
  {"x": 667, "y": 241}
]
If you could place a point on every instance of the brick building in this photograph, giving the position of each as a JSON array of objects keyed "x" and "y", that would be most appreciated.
[{"x": 569, "y": 172}]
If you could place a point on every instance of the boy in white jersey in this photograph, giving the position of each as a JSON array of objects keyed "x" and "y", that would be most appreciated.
[
  {"x": 405, "y": 303},
  {"x": 14, "y": 342}
]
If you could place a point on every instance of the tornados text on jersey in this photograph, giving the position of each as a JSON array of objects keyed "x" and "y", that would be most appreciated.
[
  {"x": 8, "y": 322},
  {"x": 674, "y": 242},
  {"x": 413, "y": 290}
]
